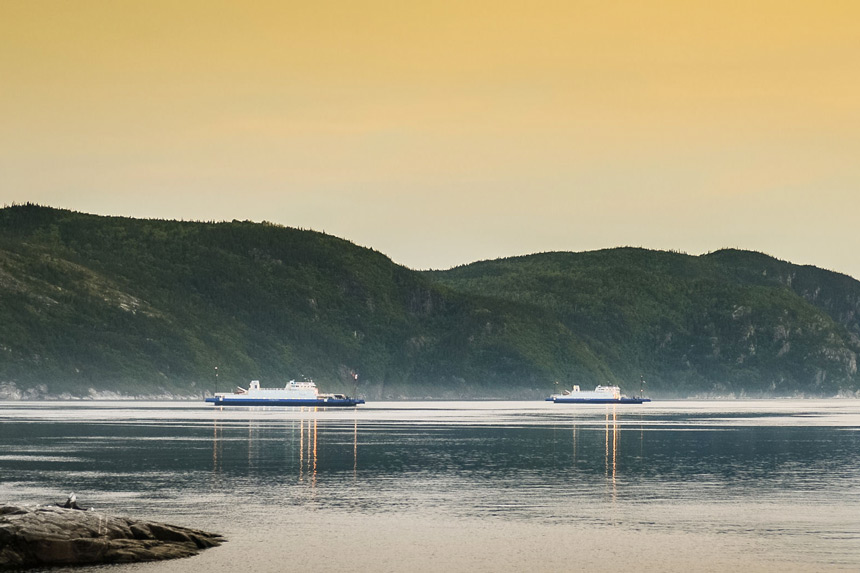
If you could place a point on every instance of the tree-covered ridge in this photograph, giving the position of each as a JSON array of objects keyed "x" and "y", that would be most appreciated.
[
  {"x": 732, "y": 321},
  {"x": 144, "y": 307},
  {"x": 147, "y": 306}
]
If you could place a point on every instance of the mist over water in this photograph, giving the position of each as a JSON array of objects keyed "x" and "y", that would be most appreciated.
[{"x": 461, "y": 486}]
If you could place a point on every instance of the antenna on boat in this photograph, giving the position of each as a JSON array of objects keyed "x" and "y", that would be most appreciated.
[
  {"x": 641, "y": 385},
  {"x": 216, "y": 379},
  {"x": 355, "y": 384}
]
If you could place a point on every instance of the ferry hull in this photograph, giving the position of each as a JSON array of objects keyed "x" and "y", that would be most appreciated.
[
  {"x": 625, "y": 400},
  {"x": 319, "y": 403}
]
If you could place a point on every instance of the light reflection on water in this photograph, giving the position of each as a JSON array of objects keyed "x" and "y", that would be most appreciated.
[{"x": 427, "y": 486}]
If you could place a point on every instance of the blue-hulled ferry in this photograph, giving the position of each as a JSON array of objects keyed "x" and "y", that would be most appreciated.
[
  {"x": 600, "y": 395},
  {"x": 304, "y": 393}
]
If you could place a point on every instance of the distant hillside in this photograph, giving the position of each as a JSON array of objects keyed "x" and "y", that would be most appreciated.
[
  {"x": 92, "y": 304},
  {"x": 730, "y": 322},
  {"x": 147, "y": 307}
]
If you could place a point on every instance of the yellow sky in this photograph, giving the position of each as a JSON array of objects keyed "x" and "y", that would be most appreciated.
[{"x": 445, "y": 132}]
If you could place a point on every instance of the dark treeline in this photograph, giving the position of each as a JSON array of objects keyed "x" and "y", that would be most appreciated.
[{"x": 144, "y": 307}]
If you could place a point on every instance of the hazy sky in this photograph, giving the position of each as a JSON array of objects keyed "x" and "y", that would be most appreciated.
[{"x": 446, "y": 132}]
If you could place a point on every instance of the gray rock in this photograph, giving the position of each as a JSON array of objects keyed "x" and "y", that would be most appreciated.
[{"x": 34, "y": 536}]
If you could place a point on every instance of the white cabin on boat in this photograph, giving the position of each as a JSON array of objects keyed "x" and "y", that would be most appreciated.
[{"x": 599, "y": 393}]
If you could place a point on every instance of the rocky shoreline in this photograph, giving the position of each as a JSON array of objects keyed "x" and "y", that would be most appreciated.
[{"x": 40, "y": 535}]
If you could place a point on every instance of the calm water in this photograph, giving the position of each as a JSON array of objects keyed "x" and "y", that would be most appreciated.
[{"x": 461, "y": 486}]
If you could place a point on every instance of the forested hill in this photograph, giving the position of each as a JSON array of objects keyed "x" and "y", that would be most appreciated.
[
  {"x": 147, "y": 307},
  {"x": 91, "y": 305},
  {"x": 730, "y": 322}
]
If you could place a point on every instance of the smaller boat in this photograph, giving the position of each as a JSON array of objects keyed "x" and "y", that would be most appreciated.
[
  {"x": 304, "y": 393},
  {"x": 600, "y": 395}
]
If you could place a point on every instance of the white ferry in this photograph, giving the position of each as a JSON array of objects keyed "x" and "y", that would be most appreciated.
[
  {"x": 304, "y": 393},
  {"x": 600, "y": 395}
]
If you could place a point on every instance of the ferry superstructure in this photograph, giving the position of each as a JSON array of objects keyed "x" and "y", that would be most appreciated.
[
  {"x": 600, "y": 395},
  {"x": 302, "y": 393}
]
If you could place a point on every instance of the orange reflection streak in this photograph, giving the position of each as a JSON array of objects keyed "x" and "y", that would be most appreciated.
[
  {"x": 250, "y": 444},
  {"x": 314, "y": 475},
  {"x": 606, "y": 446},
  {"x": 355, "y": 450},
  {"x": 611, "y": 456},
  {"x": 301, "y": 448},
  {"x": 216, "y": 446},
  {"x": 614, "y": 443}
]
